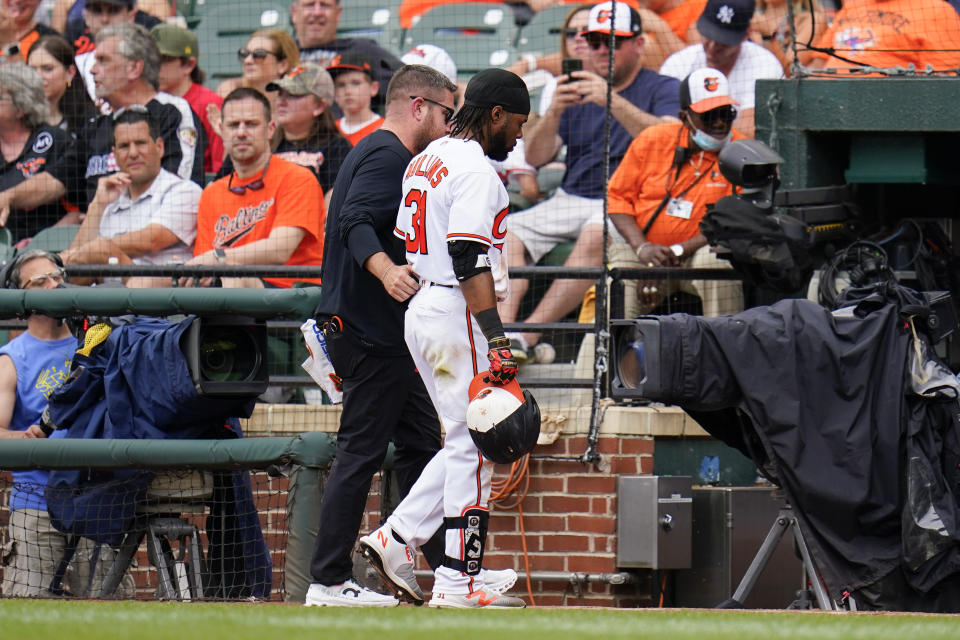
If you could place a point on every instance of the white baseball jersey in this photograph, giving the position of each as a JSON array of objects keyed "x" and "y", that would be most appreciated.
[{"x": 450, "y": 192}]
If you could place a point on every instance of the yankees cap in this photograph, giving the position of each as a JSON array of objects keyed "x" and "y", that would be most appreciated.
[
  {"x": 498, "y": 87},
  {"x": 726, "y": 21}
]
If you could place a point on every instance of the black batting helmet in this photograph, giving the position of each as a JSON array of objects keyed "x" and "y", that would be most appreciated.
[{"x": 503, "y": 421}]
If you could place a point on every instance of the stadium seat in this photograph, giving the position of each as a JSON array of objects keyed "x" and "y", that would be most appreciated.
[
  {"x": 375, "y": 19},
  {"x": 54, "y": 239},
  {"x": 225, "y": 30},
  {"x": 477, "y": 35},
  {"x": 6, "y": 238},
  {"x": 6, "y": 255},
  {"x": 541, "y": 36}
]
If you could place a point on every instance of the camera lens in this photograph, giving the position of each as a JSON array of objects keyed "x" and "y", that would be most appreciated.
[
  {"x": 633, "y": 368},
  {"x": 228, "y": 354}
]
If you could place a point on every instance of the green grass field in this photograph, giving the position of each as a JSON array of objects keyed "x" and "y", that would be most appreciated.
[{"x": 58, "y": 620}]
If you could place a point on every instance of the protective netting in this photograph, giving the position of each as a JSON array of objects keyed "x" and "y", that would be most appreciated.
[
  {"x": 602, "y": 110},
  {"x": 179, "y": 534}
]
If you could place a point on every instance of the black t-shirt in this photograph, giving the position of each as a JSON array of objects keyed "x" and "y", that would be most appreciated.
[
  {"x": 323, "y": 159},
  {"x": 78, "y": 33},
  {"x": 369, "y": 48},
  {"x": 44, "y": 145},
  {"x": 90, "y": 156},
  {"x": 360, "y": 223}
]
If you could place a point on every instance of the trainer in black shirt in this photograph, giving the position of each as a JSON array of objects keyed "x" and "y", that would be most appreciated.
[{"x": 366, "y": 283}]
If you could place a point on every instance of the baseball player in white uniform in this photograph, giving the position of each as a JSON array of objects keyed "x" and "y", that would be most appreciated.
[{"x": 453, "y": 220}]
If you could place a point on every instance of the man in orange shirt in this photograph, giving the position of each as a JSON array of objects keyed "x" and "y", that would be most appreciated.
[
  {"x": 657, "y": 196},
  {"x": 268, "y": 211},
  {"x": 890, "y": 33}
]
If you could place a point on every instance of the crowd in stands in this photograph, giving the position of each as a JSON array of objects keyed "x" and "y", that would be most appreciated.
[{"x": 325, "y": 93}]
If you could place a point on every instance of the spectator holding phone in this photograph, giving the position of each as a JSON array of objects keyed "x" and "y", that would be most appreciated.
[{"x": 641, "y": 98}]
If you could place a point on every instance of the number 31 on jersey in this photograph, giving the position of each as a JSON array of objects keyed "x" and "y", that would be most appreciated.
[{"x": 416, "y": 238}]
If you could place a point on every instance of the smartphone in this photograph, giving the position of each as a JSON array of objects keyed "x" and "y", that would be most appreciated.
[{"x": 569, "y": 65}]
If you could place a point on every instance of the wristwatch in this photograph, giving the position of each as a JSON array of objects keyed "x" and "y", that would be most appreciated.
[
  {"x": 11, "y": 50},
  {"x": 221, "y": 255},
  {"x": 677, "y": 250}
]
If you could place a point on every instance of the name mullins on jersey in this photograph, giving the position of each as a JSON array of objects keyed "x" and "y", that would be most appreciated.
[
  {"x": 428, "y": 166},
  {"x": 227, "y": 229}
]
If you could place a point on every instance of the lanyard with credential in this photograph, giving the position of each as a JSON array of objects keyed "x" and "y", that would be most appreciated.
[{"x": 679, "y": 158}]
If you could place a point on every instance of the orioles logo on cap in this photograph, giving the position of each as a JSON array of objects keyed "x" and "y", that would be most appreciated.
[
  {"x": 335, "y": 62},
  {"x": 711, "y": 83},
  {"x": 604, "y": 15},
  {"x": 297, "y": 70}
]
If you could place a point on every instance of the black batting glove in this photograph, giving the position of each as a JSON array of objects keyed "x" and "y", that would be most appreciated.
[{"x": 503, "y": 366}]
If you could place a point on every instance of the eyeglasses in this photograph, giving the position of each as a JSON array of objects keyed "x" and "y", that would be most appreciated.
[
  {"x": 258, "y": 54},
  {"x": 447, "y": 111},
  {"x": 721, "y": 115},
  {"x": 41, "y": 279},
  {"x": 596, "y": 40},
  {"x": 133, "y": 108},
  {"x": 570, "y": 34},
  {"x": 256, "y": 185}
]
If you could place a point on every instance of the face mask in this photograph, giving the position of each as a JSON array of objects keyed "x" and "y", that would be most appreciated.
[{"x": 707, "y": 142}]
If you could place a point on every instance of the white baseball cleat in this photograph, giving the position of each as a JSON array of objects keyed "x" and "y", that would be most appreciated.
[
  {"x": 393, "y": 560},
  {"x": 499, "y": 580},
  {"x": 476, "y": 600},
  {"x": 348, "y": 594}
]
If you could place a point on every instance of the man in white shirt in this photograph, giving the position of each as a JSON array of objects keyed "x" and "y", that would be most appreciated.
[
  {"x": 142, "y": 214},
  {"x": 724, "y": 25}
]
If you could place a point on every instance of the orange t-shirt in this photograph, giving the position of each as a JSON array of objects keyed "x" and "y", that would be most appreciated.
[
  {"x": 410, "y": 9},
  {"x": 635, "y": 4},
  {"x": 361, "y": 133},
  {"x": 894, "y": 33},
  {"x": 638, "y": 185},
  {"x": 680, "y": 18},
  {"x": 291, "y": 197}
]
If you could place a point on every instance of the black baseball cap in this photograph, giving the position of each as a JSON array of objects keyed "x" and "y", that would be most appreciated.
[
  {"x": 352, "y": 61},
  {"x": 726, "y": 21},
  {"x": 498, "y": 87}
]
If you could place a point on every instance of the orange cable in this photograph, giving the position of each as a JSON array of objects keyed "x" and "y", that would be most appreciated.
[{"x": 500, "y": 494}]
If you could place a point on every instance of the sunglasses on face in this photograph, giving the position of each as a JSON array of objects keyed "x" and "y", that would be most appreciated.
[
  {"x": 258, "y": 54},
  {"x": 447, "y": 111},
  {"x": 41, "y": 279},
  {"x": 720, "y": 115},
  {"x": 256, "y": 185},
  {"x": 596, "y": 40}
]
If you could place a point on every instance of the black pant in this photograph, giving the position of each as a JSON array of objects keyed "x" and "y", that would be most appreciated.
[{"x": 383, "y": 399}]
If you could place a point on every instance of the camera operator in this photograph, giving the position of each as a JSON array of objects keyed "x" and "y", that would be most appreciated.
[
  {"x": 657, "y": 196},
  {"x": 32, "y": 366},
  {"x": 660, "y": 192}
]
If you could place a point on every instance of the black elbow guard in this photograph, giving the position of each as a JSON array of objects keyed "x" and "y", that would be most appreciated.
[{"x": 469, "y": 258}]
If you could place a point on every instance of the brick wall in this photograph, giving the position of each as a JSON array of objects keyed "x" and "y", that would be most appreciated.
[{"x": 569, "y": 521}]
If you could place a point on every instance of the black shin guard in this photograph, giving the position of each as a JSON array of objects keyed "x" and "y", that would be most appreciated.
[{"x": 473, "y": 539}]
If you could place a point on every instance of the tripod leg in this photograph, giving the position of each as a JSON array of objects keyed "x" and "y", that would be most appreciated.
[
  {"x": 823, "y": 599},
  {"x": 753, "y": 572}
]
